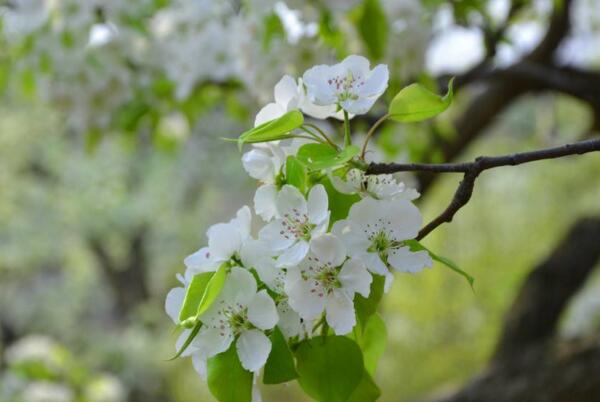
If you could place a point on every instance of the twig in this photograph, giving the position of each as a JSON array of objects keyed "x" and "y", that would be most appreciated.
[
  {"x": 472, "y": 170},
  {"x": 370, "y": 134}
]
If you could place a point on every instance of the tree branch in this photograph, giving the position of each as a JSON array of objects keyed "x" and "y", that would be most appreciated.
[{"x": 472, "y": 170}]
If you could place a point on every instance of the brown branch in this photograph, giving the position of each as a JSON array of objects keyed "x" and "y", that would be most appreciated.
[{"x": 473, "y": 169}]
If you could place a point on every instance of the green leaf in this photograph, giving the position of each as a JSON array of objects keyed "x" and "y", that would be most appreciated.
[
  {"x": 416, "y": 103},
  {"x": 339, "y": 204},
  {"x": 273, "y": 29},
  {"x": 330, "y": 368},
  {"x": 188, "y": 341},
  {"x": 373, "y": 27},
  {"x": 366, "y": 307},
  {"x": 416, "y": 246},
  {"x": 322, "y": 156},
  {"x": 275, "y": 129},
  {"x": 367, "y": 390},
  {"x": 372, "y": 341},
  {"x": 227, "y": 380},
  {"x": 280, "y": 365},
  {"x": 295, "y": 173},
  {"x": 213, "y": 289},
  {"x": 194, "y": 294}
]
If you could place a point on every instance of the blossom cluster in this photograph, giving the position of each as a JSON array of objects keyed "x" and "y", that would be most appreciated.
[{"x": 302, "y": 270}]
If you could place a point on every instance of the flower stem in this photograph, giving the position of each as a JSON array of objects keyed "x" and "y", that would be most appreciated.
[
  {"x": 347, "y": 140},
  {"x": 325, "y": 136},
  {"x": 370, "y": 134}
]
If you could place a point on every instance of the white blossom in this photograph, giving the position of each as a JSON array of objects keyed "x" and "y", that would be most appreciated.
[
  {"x": 351, "y": 84},
  {"x": 241, "y": 314},
  {"x": 375, "y": 232},
  {"x": 291, "y": 95},
  {"x": 379, "y": 187},
  {"x": 299, "y": 220},
  {"x": 326, "y": 281},
  {"x": 225, "y": 242}
]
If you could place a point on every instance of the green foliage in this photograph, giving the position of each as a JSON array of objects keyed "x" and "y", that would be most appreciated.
[
  {"x": 276, "y": 129},
  {"x": 367, "y": 390},
  {"x": 280, "y": 366},
  {"x": 330, "y": 368},
  {"x": 228, "y": 381},
  {"x": 322, "y": 156},
  {"x": 194, "y": 295},
  {"x": 213, "y": 289},
  {"x": 273, "y": 29},
  {"x": 372, "y": 340},
  {"x": 373, "y": 27},
  {"x": 188, "y": 340},
  {"x": 339, "y": 203},
  {"x": 295, "y": 173},
  {"x": 416, "y": 103},
  {"x": 414, "y": 245},
  {"x": 366, "y": 307}
]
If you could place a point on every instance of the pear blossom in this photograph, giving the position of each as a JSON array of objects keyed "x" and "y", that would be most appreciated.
[
  {"x": 375, "y": 232},
  {"x": 299, "y": 220},
  {"x": 225, "y": 241},
  {"x": 240, "y": 314},
  {"x": 351, "y": 84},
  {"x": 379, "y": 187},
  {"x": 327, "y": 281},
  {"x": 291, "y": 95}
]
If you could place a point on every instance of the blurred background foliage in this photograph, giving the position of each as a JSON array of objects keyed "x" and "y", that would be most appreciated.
[{"x": 112, "y": 167}]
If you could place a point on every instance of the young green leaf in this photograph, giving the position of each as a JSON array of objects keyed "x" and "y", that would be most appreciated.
[
  {"x": 416, "y": 246},
  {"x": 188, "y": 341},
  {"x": 373, "y": 27},
  {"x": 276, "y": 129},
  {"x": 330, "y": 368},
  {"x": 295, "y": 173},
  {"x": 367, "y": 390},
  {"x": 213, "y": 289},
  {"x": 416, "y": 103},
  {"x": 193, "y": 295},
  {"x": 323, "y": 156},
  {"x": 366, "y": 307},
  {"x": 372, "y": 341},
  {"x": 339, "y": 204},
  {"x": 227, "y": 380},
  {"x": 280, "y": 365}
]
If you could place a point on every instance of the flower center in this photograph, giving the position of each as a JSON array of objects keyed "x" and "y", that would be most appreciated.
[
  {"x": 322, "y": 277},
  {"x": 379, "y": 242},
  {"x": 296, "y": 226},
  {"x": 345, "y": 86}
]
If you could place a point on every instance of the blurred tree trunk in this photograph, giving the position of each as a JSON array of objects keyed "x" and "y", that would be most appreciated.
[{"x": 531, "y": 363}]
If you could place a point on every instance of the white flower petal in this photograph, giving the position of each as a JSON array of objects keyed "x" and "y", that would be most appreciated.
[
  {"x": 306, "y": 303},
  {"x": 173, "y": 303},
  {"x": 318, "y": 90},
  {"x": 211, "y": 341},
  {"x": 329, "y": 249},
  {"x": 265, "y": 202},
  {"x": 276, "y": 236},
  {"x": 377, "y": 82},
  {"x": 357, "y": 65},
  {"x": 317, "y": 205},
  {"x": 293, "y": 255},
  {"x": 262, "y": 311},
  {"x": 199, "y": 364},
  {"x": 374, "y": 263},
  {"x": 358, "y": 106},
  {"x": 253, "y": 349},
  {"x": 290, "y": 201},
  {"x": 290, "y": 322},
  {"x": 224, "y": 241},
  {"x": 243, "y": 222},
  {"x": 404, "y": 260},
  {"x": 340, "y": 312},
  {"x": 199, "y": 262},
  {"x": 355, "y": 277},
  {"x": 239, "y": 288},
  {"x": 270, "y": 112},
  {"x": 286, "y": 93},
  {"x": 259, "y": 164},
  {"x": 389, "y": 280}
]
